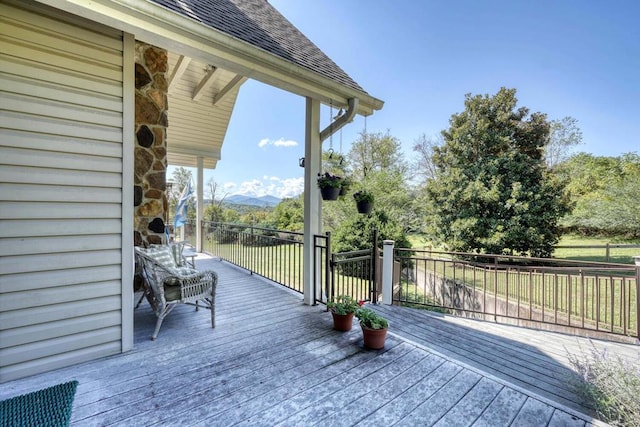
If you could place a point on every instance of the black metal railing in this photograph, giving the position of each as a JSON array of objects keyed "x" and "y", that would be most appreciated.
[
  {"x": 275, "y": 255},
  {"x": 356, "y": 273},
  {"x": 593, "y": 296}
]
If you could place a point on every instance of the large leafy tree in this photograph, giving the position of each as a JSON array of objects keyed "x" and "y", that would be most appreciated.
[
  {"x": 492, "y": 192},
  {"x": 605, "y": 192}
]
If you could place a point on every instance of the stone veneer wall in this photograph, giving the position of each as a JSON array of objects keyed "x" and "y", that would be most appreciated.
[{"x": 150, "y": 200}]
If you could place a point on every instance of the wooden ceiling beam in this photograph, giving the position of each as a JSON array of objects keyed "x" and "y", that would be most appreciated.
[
  {"x": 178, "y": 71},
  {"x": 204, "y": 84},
  {"x": 237, "y": 81}
]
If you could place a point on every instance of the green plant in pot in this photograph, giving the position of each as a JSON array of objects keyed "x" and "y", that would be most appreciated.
[
  {"x": 342, "y": 308},
  {"x": 364, "y": 201},
  {"x": 346, "y": 185},
  {"x": 329, "y": 185},
  {"x": 374, "y": 328}
]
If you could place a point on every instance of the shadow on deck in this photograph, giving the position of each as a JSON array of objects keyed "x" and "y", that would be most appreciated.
[{"x": 273, "y": 361}]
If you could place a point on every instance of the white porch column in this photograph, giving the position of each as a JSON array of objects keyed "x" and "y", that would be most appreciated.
[
  {"x": 387, "y": 272},
  {"x": 200, "y": 204},
  {"x": 312, "y": 206}
]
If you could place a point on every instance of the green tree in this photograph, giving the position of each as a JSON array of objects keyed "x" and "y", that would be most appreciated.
[
  {"x": 288, "y": 214},
  {"x": 356, "y": 233},
  {"x": 423, "y": 164},
  {"x": 214, "y": 211},
  {"x": 378, "y": 166},
  {"x": 604, "y": 192},
  {"x": 492, "y": 192},
  {"x": 376, "y": 152},
  {"x": 564, "y": 136}
]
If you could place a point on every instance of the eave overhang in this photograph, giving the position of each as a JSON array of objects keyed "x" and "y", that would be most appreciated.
[{"x": 156, "y": 25}]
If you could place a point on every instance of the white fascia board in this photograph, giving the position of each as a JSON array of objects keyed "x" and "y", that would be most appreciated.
[{"x": 156, "y": 25}]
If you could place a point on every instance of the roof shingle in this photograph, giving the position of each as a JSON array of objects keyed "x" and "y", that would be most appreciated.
[{"x": 258, "y": 23}]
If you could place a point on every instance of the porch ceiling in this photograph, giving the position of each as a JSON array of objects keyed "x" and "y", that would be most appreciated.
[{"x": 201, "y": 100}]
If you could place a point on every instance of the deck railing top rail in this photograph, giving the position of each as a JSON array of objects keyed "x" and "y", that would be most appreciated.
[{"x": 516, "y": 260}]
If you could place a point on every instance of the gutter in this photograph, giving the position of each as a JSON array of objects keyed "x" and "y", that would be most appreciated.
[{"x": 342, "y": 120}]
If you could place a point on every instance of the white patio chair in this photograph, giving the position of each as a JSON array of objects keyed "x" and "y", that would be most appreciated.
[{"x": 168, "y": 283}]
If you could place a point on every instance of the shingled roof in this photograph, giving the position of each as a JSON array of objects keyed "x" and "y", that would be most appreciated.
[{"x": 258, "y": 23}]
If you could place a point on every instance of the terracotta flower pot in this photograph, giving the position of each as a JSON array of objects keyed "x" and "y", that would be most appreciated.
[
  {"x": 342, "y": 322},
  {"x": 374, "y": 338}
]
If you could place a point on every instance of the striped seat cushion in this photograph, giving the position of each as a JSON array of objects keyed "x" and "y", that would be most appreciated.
[{"x": 162, "y": 255}]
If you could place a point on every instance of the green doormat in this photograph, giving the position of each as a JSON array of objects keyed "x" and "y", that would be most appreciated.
[{"x": 48, "y": 407}]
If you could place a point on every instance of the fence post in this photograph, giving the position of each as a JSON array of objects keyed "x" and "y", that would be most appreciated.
[
  {"x": 607, "y": 253},
  {"x": 387, "y": 272}
]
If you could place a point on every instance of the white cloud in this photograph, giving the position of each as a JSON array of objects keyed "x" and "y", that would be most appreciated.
[
  {"x": 254, "y": 187},
  {"x": 269, "y": 185},
  {"x": 277, "y": 143},
  {"x": 285, "y": 143}
]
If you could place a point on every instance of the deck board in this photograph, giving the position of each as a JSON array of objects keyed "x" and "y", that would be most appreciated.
[
  {"x": 271, "y": 360},
  {"x": 533, "y": 360}
]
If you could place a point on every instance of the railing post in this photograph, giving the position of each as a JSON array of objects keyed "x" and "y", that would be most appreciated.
[
  {"x": 374, "y": 268},
  {"x": 328, "y": 268},
  {"x": 637, "y": 262},
  {"x": 387, "y": 271}
]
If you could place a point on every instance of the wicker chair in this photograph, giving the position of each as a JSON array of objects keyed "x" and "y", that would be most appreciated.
[{"x": 168, "y": 281}]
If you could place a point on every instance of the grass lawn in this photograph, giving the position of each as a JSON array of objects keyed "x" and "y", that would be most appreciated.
[{"x": 617, "y": 255}]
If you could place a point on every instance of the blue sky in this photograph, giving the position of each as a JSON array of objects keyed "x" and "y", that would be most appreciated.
[{"x": 578, "y": 58}]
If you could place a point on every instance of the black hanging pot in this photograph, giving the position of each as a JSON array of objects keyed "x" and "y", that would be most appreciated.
[
  {"x": 364, "y": 207},
  {"x": 330, "y": 193}
]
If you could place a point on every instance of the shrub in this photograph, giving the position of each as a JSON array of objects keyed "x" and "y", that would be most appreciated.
[{"x": 610, "y": 384}]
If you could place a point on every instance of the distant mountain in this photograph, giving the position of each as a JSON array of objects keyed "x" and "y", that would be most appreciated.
[{"x": 263, "y": 201}]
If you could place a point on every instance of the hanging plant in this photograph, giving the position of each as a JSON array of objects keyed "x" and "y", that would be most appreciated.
[
  {"x": 329, "y": 185},
  {"x": 346, "y": 185},
  {"x": 364, "y": 201}
]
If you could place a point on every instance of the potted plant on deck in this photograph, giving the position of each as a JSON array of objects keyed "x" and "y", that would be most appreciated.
[
  {"x": 342, "y": 308},
  {"x": 374, "y": 328},
  {"x": 329, "y": 185},
  {"x": 364, "y": 201}
]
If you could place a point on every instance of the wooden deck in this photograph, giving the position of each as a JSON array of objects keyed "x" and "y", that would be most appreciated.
[{"x": 273, "y": 361}]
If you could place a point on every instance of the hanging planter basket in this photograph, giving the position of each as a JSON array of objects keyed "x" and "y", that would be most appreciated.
[
  {"x": 364, "y": 201},
  {"x": 330, "y": 186},
  {"x": 330, "y": 193},
  {"x": 364, "y": 207}
]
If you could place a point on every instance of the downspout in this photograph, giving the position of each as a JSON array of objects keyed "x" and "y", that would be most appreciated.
[{"x": 345, "y": 118}]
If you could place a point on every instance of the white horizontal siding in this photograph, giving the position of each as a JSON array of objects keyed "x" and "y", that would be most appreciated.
[
  {"x": 58, "y": 261},
  {"x": 61, "y": 189},
  {"x": 50, "y": 347},
  {"x": 62, "y": 294},
  {"x": 59, "y": 210},
  {"x": 59, "y": 227},
  {"x": 54, "y": 143},
  {"x": 52, "y": 313},
  {"x": 43, "y": 331},
  {"x": 71, "y": 357},
  {"x": 50, "y": 279}
]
